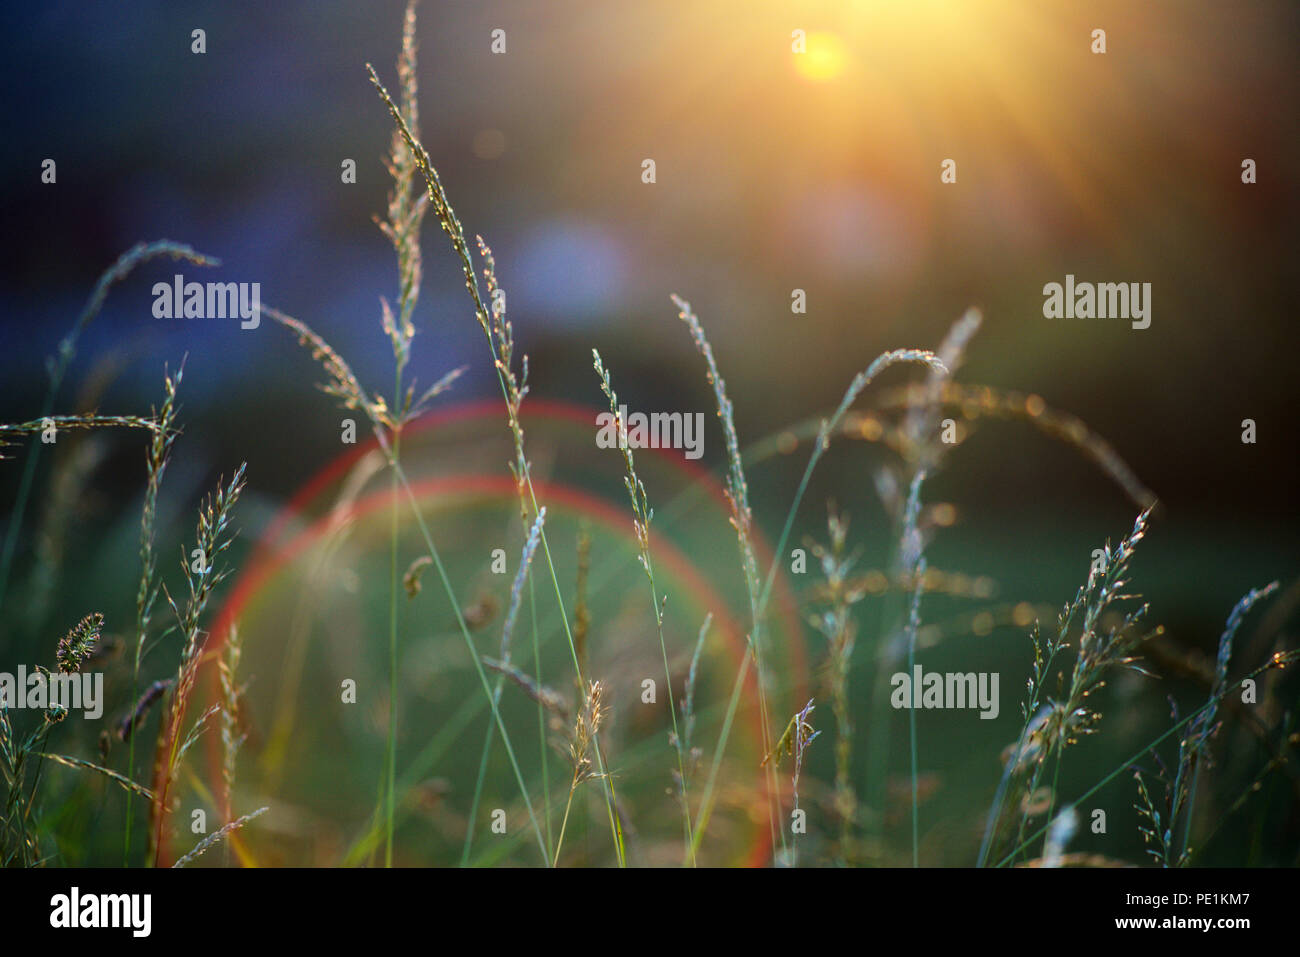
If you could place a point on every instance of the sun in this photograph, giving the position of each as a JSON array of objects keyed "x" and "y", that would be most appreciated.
[{"x": 825, "y": 57}]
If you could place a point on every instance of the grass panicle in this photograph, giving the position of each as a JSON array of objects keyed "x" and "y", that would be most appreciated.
[
  {"x": 1052, "y": 724},
  {"x": 204, "y": 571},
  {"x": 689, "y": 716},
  {"x": 79, "y": 643},
  {"x": 737, "y": 492},
  {"x": 57, "y": 368},
  {"x": 1097, "y": 634},
  {"x": 826, "y": 430},
  {"x": 217, "y": 837},
  {"x": 455, "y": 232},
  {"x": 232, "y": 737},
  {"x": 19, "y": 840},
  {"x": 591, "y": 714},
  {"x": 642, "y": 514},
  {"x": 504, "y": 670},
  {"x": 1170, "y": 845},
  {"x": 835, "y": 622},
  {"x": 159, "y": 454}
]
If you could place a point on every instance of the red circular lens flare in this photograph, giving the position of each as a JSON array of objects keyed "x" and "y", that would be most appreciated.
[{"x": 286, "y": 537}]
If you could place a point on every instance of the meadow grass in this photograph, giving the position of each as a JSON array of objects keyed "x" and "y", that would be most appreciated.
[
  {"x": 1099, "y": 634},
  {"x": 642, "y": 514}
]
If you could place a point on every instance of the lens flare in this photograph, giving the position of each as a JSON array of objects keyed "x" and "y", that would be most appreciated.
[{"x": 309, "y": 602}]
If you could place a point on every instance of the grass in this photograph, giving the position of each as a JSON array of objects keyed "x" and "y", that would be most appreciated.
[
  {"x": 642, "y": 514},
  {"x": 870, "y": 623}
]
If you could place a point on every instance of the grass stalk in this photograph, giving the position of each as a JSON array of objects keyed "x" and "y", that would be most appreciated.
[
  {"x": 642, "y": 516},
  {"x": 1279, "y": 660},
  {"x": 58, "y": 368},
  {"x": 825, "y": 432},
  {"x": 147, "y": 593},
  {"x": 452, "y": 227}
]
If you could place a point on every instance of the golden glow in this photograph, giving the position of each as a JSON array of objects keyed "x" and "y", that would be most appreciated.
[{"x": 825, "y": 58}]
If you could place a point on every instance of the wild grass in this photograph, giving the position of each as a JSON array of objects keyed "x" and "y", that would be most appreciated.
[
  {"x": 503, "y": 668},
  {"x": 1169, "y": 844},
  {"x": 19, "y": 751},
  {"x": 204, "y": 571},
  {"x": 591, "y": 713},
  {"x": 837, "y": 625},
  {"x": 642, "y": 514},
  {"x": 159, "y": 451},
  {"x": 19, "y": 841},
  {"x": 57, "y": 368},
  {"x": 500, "y": 345},
  {"x": 794, "y": 741},
  {"x": 869, "y": 617},
  {"x": 738, "y": 498},
  {"x": 1051, "y": 725}
]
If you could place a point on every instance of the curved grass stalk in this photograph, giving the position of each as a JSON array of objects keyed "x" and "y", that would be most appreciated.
[
  {"x": 159, "y": 452},
  {"x": 914, "y": 564},
  {"x": 776, "y": 443},
  {"x": 642, "y": 514},
  {"x": 507, "y": 630},
  {"x": 344, "y": 384},
  {"x": 469, "y": 644},
  {"x": 58, "y": 368},
  {"x": 1279, "y": 660},
  {"x": 825, "y": 432},
  {"x": 452, "y": 227}
]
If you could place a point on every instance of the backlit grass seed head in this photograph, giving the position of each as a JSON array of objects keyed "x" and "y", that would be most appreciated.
[
  {"x": 641, "y": 510},
  {"x": 159, "y": 454},
  {"x": 865, "y": 377},
  {"x": 804, "y": 735},
  {"x": 218, "y": 836},
  {"x": 922, "y": 420},
  {"x": 688, "y": 703},
  {"x": 585, "y": 728},
  {"x": 442, "y": 208},
  {"x": 1028, "y": 749},
  {"x": 79, "y": 643},
  {"x": 517, "y": 589},
  {"x": 502, "y": 337},
  {"x": 836, "y": 624},
  {"x": 343, "y": 383},
  {"x": 976, "y": 402},
  {"x": 1203, "y": 728},
  {"x": 231, "y": 695},
  {"x": 10, "y": 433},
  {"x": 1103, "y": 646},
  {"x": 798, "y": 735},
  {"x": 737, "y": 488},
  {"x": 1156, "y": 838},
  {"x": 213, "y": 536},
  {"x": 1108, "y": 632},
  {"x": 407, "y": 203}
]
